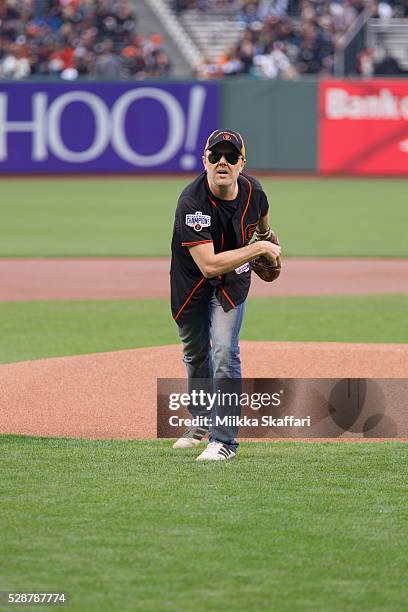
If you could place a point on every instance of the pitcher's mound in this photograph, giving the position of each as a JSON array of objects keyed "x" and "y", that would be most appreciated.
[{"x": 113, "y": 395}]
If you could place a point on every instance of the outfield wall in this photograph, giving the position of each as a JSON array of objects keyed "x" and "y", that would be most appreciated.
[
  {"x": 326, "y": 127},
  {"x": 278, "y": 119}
]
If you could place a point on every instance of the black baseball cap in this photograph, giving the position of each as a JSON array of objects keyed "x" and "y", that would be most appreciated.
[{"x": 233, "y": 138}]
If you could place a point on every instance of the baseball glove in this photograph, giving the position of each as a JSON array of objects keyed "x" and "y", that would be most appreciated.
[{"x": 262, "y": 266}]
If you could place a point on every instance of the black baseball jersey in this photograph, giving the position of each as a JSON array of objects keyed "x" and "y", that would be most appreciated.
[{"x": 202, "y": 218}]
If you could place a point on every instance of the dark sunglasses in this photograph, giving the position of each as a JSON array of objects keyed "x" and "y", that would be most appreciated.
[{"x": 215, "y": 156}]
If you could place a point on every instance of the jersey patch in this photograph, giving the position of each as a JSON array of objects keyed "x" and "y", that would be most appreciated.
[
  {"x": 244, "y": 268},
  {"x": 250, "y": 230},
  {"x": 198, "y": 221}
]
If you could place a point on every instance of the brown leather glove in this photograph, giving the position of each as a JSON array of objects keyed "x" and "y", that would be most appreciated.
[{"x": 263, "y": 266}]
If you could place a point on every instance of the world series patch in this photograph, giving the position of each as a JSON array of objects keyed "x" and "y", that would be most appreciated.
[{"x": 198, "y": 221}]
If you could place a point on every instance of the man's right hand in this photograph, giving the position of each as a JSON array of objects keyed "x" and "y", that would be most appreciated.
[{"x": 271, "y": 251}]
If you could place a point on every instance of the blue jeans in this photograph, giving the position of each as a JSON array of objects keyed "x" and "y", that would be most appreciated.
[{"x": 210, "y": 341}]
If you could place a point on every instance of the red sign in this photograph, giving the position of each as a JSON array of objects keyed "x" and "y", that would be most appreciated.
[{"x": 363, "y": 127}]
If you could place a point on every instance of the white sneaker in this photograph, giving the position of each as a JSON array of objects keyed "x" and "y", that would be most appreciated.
[
  {"x": 191, "y": 437},
  {"x": 216, "y": 451}
]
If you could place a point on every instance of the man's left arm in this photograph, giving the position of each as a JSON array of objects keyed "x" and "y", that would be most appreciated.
[
  {"x": 263, "y": 224},
  {"x": 263, "y": 228}
]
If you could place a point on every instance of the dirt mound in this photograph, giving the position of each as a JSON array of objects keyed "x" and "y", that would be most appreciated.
[{"x": 113, "y": 395}]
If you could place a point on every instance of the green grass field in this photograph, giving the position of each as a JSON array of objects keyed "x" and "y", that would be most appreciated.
[
  {"x": 32, "y": 330},
  {"x": 134, "y": 216},
  {"x": 287, "y": 526},
  {"x": 291, "y": 527}
]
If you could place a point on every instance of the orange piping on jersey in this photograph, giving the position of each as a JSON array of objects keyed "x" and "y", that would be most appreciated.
[
  {"x": 228, "y": 297},
  {"x": 246, "y": 208},
  {"x": 189, "y": 298},
  {"x": 194, "y": 243}
]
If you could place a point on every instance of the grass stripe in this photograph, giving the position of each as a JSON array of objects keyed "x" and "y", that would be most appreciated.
[
  {"x": 68, "y": 217},
  {"x": 32, "y": 330}
]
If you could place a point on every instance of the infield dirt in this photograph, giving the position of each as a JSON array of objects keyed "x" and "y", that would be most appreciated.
[{"x": 132, "y": 278}]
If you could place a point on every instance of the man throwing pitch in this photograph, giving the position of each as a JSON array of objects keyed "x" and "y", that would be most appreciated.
[{"x": 217, "y": 215}]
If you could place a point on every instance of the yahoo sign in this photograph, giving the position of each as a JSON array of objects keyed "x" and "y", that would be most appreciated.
[{"x": 105, "y": 127}]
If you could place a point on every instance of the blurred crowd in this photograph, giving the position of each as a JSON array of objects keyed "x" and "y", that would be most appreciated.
[
  {"x": 99, "y": 38},
  {"x": 287, "y": 38},
  {"x": 71, "y": 38}
]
